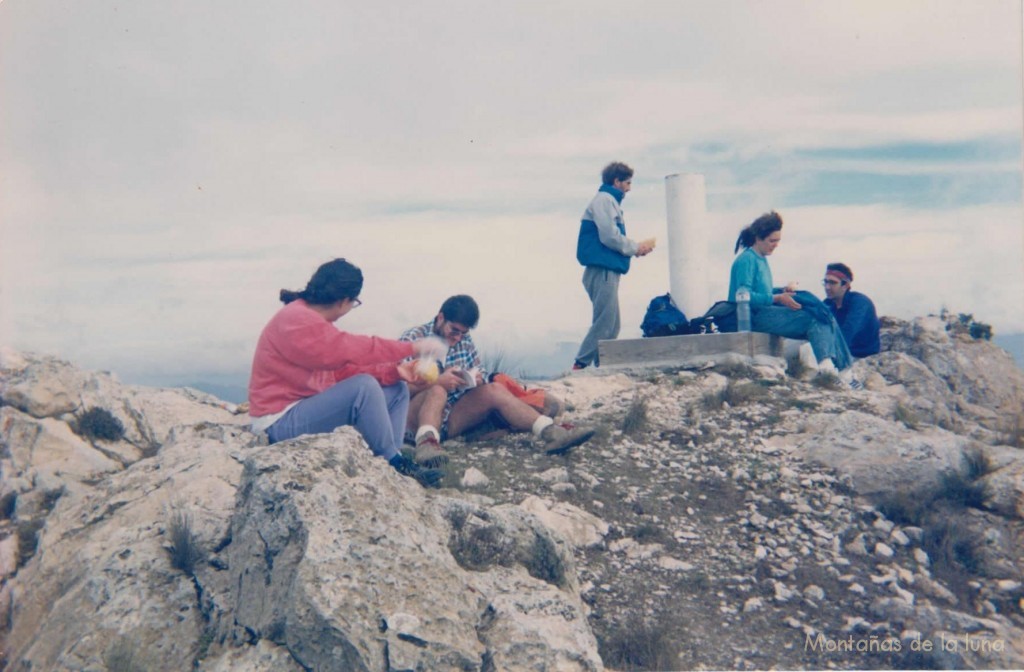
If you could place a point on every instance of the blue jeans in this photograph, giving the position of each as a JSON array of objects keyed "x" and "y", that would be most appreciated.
[
  {"x": 378, "y": 413},
  {"x": 825, "y": 337}
]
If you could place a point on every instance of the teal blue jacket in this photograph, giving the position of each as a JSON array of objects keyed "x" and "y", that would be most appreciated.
[{"x": 750, "y": 270}]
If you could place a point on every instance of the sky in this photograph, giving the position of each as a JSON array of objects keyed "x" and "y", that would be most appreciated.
[{"x": 167, "y": 167}]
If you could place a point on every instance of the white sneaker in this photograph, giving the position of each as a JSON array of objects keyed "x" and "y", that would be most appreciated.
[{"x": 846, "y": 376}]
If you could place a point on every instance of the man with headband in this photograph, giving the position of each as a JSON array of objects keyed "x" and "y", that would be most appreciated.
[{"x": 854, "y": 312}]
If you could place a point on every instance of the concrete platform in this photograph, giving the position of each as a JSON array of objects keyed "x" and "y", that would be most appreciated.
[{"x": 668, "y": 350}]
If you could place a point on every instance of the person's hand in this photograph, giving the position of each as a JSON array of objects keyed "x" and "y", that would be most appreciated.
[
  {"x": 786, "y": 299},
  {"x": 450, "y": 380},
  {"x": 479, "y": 376},
  {"x": 792, "y": 286},
  {"x": 430, "y": 347},
  {"x": 644, "y": 247},
  {"x": 407, "y": 372}
]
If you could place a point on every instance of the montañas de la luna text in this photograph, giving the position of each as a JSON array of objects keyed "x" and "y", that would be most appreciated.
[{"x": 875, "y": 644}]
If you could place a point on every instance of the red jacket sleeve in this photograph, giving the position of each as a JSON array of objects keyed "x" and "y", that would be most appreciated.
[
  {"x": 317, "y": 345},
  {"x": 386, "y": 374}
]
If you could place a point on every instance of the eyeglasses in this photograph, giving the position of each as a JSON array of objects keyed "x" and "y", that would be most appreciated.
[
  {"x": 455, "y": 331},
  {"x": 356, "y": 303},
  {"x": 830, "y": 283}
]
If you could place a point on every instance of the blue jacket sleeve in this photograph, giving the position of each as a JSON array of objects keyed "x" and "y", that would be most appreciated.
[{"x": 860, "y": 326}]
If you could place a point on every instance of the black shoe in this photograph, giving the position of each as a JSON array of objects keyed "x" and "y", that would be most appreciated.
[{"x": 428, "y": 478}]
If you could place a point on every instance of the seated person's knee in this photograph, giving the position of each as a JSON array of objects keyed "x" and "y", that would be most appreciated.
[{"x": 436, "y": 392}]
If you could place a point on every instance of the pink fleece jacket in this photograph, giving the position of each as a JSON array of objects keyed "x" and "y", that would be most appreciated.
[{"x": 300, "y": 354}]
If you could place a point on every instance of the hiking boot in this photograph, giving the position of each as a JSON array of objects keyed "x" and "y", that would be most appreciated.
[
  {"x": 558, "y": 440},
  {"x": 429, "y": 453},
  {"x": 428, "y": 478}
]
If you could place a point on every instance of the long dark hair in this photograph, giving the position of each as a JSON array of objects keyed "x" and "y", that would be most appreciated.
[
  {"x": 760, "y": 228},
  {"x": 334, "y": 281}
]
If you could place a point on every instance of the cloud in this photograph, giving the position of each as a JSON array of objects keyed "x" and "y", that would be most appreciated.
[{"x": 168, "y": 167}]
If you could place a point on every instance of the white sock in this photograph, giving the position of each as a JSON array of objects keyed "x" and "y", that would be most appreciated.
[
  {"x": 428, "y": 429},
  {"x": 540, "y": 424},
  {"x": 827, "y": 366}
]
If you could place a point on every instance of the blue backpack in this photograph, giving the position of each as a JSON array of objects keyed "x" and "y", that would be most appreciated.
[{"x": 664, "y": 319}]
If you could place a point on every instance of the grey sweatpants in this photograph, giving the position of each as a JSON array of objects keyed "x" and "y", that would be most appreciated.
[
  {"x": 602, "y": 287},
  {"x": 378, "y": 413}
]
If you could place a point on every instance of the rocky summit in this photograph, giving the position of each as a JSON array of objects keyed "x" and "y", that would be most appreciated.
[{"x": 740, "y": 514}]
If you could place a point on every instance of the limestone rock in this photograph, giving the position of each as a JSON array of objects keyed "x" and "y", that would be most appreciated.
[
  {"x": 975, "y": 371},
  {"x": 579, "y": 528},
  {"x": 103, "y": 568},
  {"x": 880, "y": 456},
  {"x": 1004, "y": 489},
  {"x": 48, "y": 446},
  {"x": 322, "y": 569},
  {"x": 43, "y": 388},
  {"x": 323, "y": 557},
  {"x": 474, "y": 478}
]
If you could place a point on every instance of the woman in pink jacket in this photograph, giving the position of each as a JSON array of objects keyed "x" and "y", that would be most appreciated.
[{"x": 308, "y": 377}]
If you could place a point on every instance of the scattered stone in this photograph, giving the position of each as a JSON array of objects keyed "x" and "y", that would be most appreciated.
[
  {"x": 858, "y": 546},
  {"x": 554, "y": 475},
  {"x": 474, "y": 478},
  {"x": 814, "y": 592},
  {"x": 883, "y": 551},
  {"x": 783, "y": 593},
  {"x": 674, "y": 564},
  {"x": 1008, "y": 585},
  {"x": 753, "y": 604},
  {"x": 883, "y": 525},
  {"x": 900, "y": 537},
  {"x": 563, "y": 488}
]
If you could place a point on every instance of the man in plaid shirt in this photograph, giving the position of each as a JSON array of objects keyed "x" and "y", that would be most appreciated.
[{"x": 451, "y": 406}]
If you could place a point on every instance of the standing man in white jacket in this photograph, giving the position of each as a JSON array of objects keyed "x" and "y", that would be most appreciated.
[{"x": 605, "y": 252}]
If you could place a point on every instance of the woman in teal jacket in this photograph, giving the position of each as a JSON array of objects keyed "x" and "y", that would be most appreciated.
[{"x": 783, "y": 311}]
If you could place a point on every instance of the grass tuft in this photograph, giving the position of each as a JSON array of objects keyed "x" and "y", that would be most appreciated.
[
  {"x": 828, "y": 381},
  {"x": 1014, "y": 435},
  {"x": 544, "y": 563},
  {"x": 123, "y": 656},
  {"x": 737, "y": 393},
  {"x": 907, "y": 415},
  {"x": 637, "y": 645},
  {"x": 99, "y": 424},
  {"x": 186, "y": 552},
  {"x": 636, "y": 419},
  {"x": 796, "y": 368},
  {"x": 953, "y": 545}
]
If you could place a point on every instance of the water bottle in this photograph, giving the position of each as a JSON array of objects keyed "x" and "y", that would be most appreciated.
[{"x": 742, "y": 309}]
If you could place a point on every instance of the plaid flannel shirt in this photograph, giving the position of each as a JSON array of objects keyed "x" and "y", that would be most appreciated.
[{"x": 462, "y": 355}]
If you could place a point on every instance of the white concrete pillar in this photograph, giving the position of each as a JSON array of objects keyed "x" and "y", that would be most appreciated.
[{"x": 688, "y": 267}]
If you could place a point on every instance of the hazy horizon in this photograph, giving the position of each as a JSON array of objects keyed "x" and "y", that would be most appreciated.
[{"x": 166, "y": 168}]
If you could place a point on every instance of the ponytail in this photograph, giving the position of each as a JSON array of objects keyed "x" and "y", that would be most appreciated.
[
  {"x": 287, "y": 296},
  {"x": 745, "y": 240},
  {"x": 760, "y": 228},
  {"x": 334, "y": 281}
]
